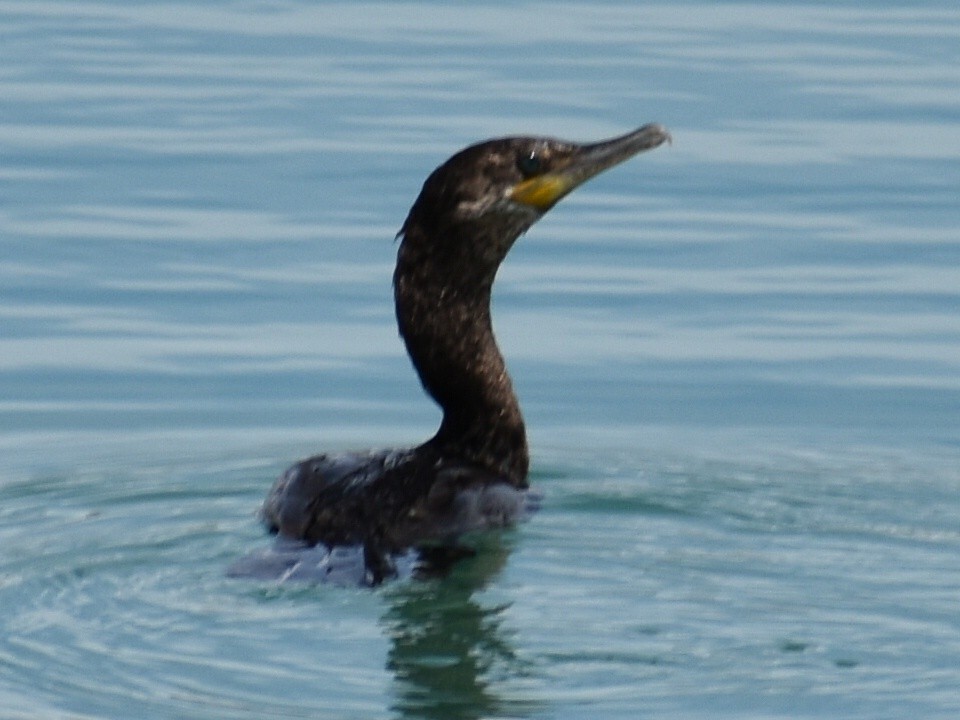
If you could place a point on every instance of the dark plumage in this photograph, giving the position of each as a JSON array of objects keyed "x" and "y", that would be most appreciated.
[{"x": 473, "y": 473}]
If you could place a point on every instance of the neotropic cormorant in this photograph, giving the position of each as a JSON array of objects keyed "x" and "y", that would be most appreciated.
[{"x": 473, "y": 473}]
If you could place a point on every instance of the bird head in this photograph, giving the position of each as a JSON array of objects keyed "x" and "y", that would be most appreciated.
[{"x": 475, "y": 205}]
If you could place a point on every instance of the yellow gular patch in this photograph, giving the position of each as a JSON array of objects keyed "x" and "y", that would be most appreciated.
[{"x": 541, "y": 192}]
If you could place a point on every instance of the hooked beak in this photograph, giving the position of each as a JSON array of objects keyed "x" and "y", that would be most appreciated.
[{"x": 544, "y": 191}]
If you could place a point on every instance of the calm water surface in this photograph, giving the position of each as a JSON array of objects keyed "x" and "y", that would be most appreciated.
[{"x": 739, "y": 357}]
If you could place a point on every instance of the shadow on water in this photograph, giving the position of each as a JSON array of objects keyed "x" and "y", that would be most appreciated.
[{"x": 450, "y": 650}]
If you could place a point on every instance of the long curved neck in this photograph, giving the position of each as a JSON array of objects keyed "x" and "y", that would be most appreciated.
[{"x": 443, "y": 312}]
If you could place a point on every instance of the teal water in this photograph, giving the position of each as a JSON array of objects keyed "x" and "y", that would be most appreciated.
[{"x": 739, "y": 357}]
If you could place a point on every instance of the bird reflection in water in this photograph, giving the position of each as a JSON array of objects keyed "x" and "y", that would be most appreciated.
[{"x": 451, "y": 655}]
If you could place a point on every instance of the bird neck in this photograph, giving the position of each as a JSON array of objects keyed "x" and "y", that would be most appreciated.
[{"x": 443, "y": 312}]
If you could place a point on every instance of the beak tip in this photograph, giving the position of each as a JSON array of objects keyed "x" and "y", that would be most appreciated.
[{"x": 660, "y": 133}]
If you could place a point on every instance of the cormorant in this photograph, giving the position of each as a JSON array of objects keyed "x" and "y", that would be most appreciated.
[{"x": 472, "y": 473}]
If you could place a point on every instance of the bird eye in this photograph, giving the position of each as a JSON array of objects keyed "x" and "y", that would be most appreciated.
[{"x": 529, "y": 164}]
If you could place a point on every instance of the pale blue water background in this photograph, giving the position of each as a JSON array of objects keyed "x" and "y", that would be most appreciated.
[{"x": 739, "y": 357}]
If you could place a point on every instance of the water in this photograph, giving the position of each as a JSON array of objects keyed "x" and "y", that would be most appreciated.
[{"x": 739, "y": 357}]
